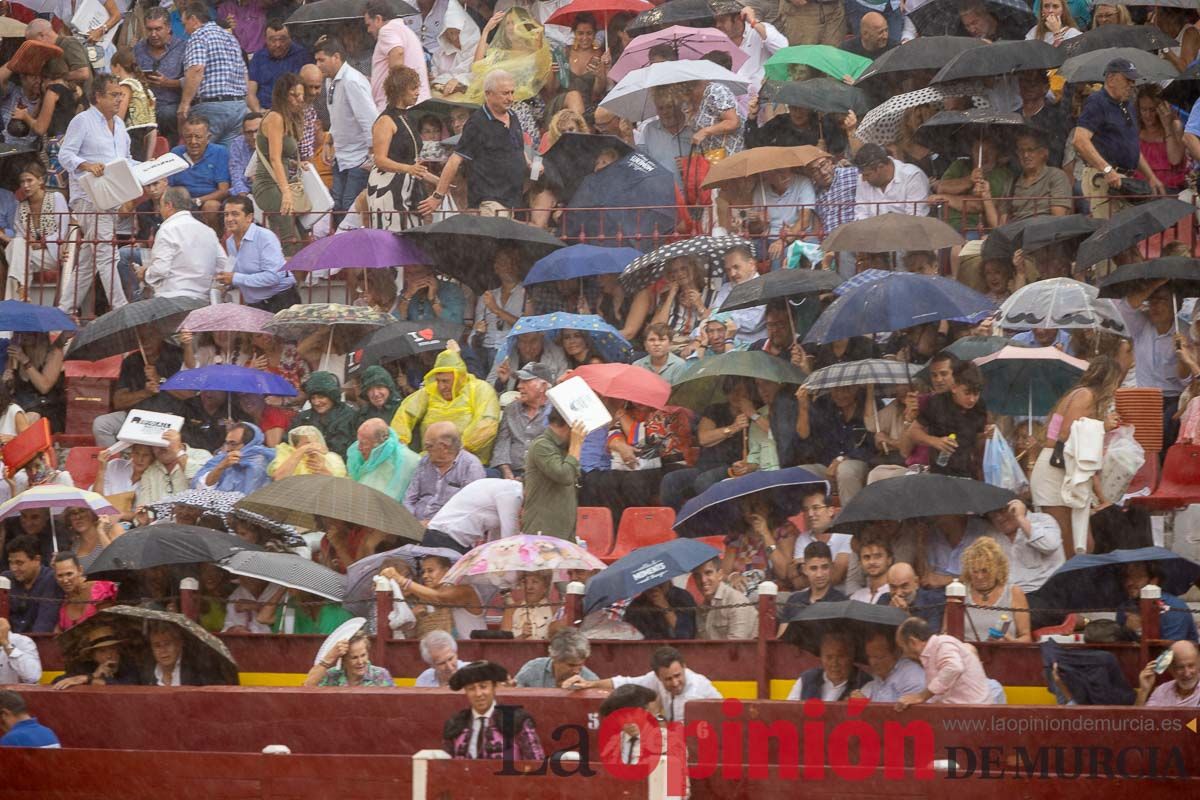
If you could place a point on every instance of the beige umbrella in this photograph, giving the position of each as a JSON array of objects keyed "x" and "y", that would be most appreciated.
[
  {"x": 758, "y": 160},
  {"x": 889, "y": 233}
]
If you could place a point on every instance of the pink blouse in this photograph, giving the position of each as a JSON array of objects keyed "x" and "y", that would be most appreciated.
[{"x": 102, "y": 592}]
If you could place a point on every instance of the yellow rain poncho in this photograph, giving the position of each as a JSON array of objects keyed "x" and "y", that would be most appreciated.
[
  {"x": 473, "y": 407},
  {"x": 520, "y": 49}
]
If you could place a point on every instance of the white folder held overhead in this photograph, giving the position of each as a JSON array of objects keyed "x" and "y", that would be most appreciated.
[{"x": 575, "y": 400}]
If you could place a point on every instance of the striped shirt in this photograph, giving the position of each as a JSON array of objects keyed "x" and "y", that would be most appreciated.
[
  {"x": 216, "y": 50},
  {"x": 835, "y": 205}
]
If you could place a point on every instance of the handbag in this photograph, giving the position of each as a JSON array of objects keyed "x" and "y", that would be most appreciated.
[{"x": 301, "y": 204}]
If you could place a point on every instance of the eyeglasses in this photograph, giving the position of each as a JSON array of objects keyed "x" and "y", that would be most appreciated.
[{"x": 813, "y": 509}]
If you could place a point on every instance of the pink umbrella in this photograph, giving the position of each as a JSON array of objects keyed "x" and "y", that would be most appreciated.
[
  {"x": 689, "y": 45},
  {"x": 226, "y": 317},
  {"x": 625, "y": 382}
]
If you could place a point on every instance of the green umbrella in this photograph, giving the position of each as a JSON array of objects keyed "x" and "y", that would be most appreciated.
[
  {"x": 830, "y": 60},
  {"x": 704, "y": 383}
]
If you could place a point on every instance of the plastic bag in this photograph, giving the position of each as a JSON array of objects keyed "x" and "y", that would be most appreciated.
[
  {"x": 1123, "y": 457},
  {"x": 1000, "y": 465},
  {"x": 799, "y": 250}
]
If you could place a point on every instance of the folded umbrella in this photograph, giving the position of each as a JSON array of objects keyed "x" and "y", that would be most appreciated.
[
  {"x": 1141, "y": 37},
  {"x": 1033, "y": 233},
  {"x": 625, "y": 382},
  {"x": 833, "y": 61},
  {"x": 823, "y": 95},
  {"x": 916, "y": 496},
  {"x": 1128, "y": 227},
  {"x": 362, "y": 248},
  {"x": 924, "y": 53},
  {"x": 290, "y": 570},
  {"x": 718, "y": 509},
  {"x": 230, "y": 378},
  {"x": 1094, "y": 580},
  {"x": 580, "y": 261},
  {"x": 1000, "y": 58},
  {"x": 607, "y": 340},
  {"x": 164, "y": 544},
  {"x": 710, "y": 250},
  {"x": 226, "y": 317},
  {"x": 300, "y": 499},
  {"x": 888, "y": 233},
  {"x": 758, "y": 160},
  {"x": 400, "y": 340},
  {"x": 703, "y": 383},
  {"x": 866, "y": 372},
  {"x": 1089, "y": 67},
  {"x": 22, "y": 317},
  {"x": 1093, "y": 677},
  {"x": 1181, "y": 274},
  {"x": 786, "y": 283},
  {"x": 464, "y": 246},
  {"x": 500, "y": 564},
  {"x": 807, "y": 626},
  {"x": 631, "y": 98},
  {"x": 1027, "y": 381},
  {"x": 644, "y": 568},
  {"x": 674, "y": 12},
  {"x": 1060, "y": 303},
  {"x": 941, "y": 18},
  {"x": 689, "y": 44},
  {"x": 116, "y": 332}
]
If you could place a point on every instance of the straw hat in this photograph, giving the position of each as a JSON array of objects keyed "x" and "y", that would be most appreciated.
[{"x": 100, "y": 636}]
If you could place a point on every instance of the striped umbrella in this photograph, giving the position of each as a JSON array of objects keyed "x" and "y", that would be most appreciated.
[
  {"x": 867, "y": 372},
  {"x": 55, "y": 498},
  {"x": 116, "y": 332},
  {"x": 287, "y": 569}
]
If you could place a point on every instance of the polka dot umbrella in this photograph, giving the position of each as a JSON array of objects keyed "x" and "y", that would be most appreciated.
[{"x": 710, "y": 250}]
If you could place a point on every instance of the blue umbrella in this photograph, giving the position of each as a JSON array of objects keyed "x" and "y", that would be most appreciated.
[
  {"x": 607, "y": 340},
  {"x": 30, "y": 318},
  {"x": 630, "y": 200},
  {"x": 899, "y": 301},
  {"x": 715, "y": 512},
  {"x": 861, "y": 279},
  {"x": 580, "y": 261},
  {"x": 1100, "y": 587},
  {"x": 644, "y": 568},
  {"x": 228, "y": 378}
]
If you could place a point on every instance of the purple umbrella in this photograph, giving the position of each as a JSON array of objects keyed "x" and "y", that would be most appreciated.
[
  {"x": 226, "y": 317},
  {"x": 364, "y": 248}
]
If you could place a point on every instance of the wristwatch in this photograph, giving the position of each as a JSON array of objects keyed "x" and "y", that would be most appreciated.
[
  {"x": 1107, "y": 168},
  {"x": 771, "y": 548}
]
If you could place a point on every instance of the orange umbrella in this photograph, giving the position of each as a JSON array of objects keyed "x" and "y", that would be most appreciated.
[{"x": 757, "y": 160}]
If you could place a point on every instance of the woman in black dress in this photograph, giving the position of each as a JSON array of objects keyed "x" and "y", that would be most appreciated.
[{"x": 395, "y": 185}]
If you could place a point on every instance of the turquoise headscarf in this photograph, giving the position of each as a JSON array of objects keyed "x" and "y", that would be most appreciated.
[{"x": 404, "y": 464}]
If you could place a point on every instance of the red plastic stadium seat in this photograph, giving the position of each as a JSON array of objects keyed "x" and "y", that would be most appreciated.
[
  {"x": 641, "y": 527},
  {"x": 594, "y": 525},
  {"x": 716, "y": 541},
  {"x": 1180, "y": 483},
  {"x": 1067, "y": 627},
  {"x": 83, "y": 466}
]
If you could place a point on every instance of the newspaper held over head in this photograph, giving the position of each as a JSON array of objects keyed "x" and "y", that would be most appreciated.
[
  {"x": 123, "y": 180},
  {"x": 576, "y": 401},
  {"x": 145, "y": 427}
]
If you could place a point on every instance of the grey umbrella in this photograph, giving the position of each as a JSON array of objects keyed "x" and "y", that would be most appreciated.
[
  {"x": 1089, "y": 67},
  {"x": 116, "y": 332},
  {"x": 1060, "y": 303},
  {"x": 290, "y": 570},
  {"x": 300, "y": 499}
]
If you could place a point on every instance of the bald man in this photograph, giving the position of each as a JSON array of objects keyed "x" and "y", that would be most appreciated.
[
  {"x": 74, "y": 60},
  {"x": 380, "y": 461},
  {"x": 316, "y": 112},
  {"x": 444, "y": 469},
  {"x": 1182, "y": 689},
  {"x": 906, "y": 593},
  {"x": 872, "y": 40}
]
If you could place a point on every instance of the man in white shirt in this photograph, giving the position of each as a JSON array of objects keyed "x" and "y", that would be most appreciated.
[
  {"x": 396, "y": 45},
  {"x": 668, "y": 677},
  {"x": 888, "y": 186},
  {"x": 94, "y": 138},
  {"x": 19, "y": 660},
  {"x": 874, "y": 559},
  {"x": 757, "y": 39},
  {"x": 481, "y": 511},
  {"x": 352, "y": 113},
  {"x": 751, "y": 323},
  {"x": 186, "y": 255},
  {"x": 243, "y": 605},
  {"x": 819, "y": 515},
  {"x": 440, "y": 651},
  {"x": 1032, "y": 542},
  {"x": 166, "y": 647}
]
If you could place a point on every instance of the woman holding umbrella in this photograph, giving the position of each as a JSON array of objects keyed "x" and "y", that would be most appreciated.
[
  {"x": 35, "y": 374},
  {"x": 681, "y": 302},
  {"x": 498, "y": 309}
]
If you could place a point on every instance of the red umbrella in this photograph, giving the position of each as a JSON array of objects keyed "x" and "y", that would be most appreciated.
[
  {"x": 602, "y": 10},
  {"x": 625, "y": 382}
]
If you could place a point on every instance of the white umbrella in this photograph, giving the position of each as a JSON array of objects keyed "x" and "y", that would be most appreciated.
[
  {"x": 630, "y": 98},
  {"x": 1060, "y": 303}
]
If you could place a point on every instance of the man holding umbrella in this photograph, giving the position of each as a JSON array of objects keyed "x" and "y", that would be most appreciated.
[{"x": 1156, "y": 345}]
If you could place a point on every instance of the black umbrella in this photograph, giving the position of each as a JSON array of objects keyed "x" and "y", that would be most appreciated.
[
  {"x": 1089, "y": 67},
  {"x": 1142, "y": 37},
  {"x": 941, "y": 18},
  {"x": 1034, "y": 233},
  {"x": 401, "y": 340},
  {"x": 1093, "y": 580},
  {"x": 116, "y": 333},
  {"x": 440, "y": 106},
  {"x": 959, "y": 131},
  {"x": 780, "y": 284},
  {"x": 823, "y": 95},
  {"x": 921, "y": 53},
  {"x": 164, "y": 544},
  {"x": 327, "y": 11},
  {"x": 809, "y": 625},
  {"x": 711, "y": 251},
  {"x": 916, "y": 496},
  {"x": 692, "y": 13},
  {"x": 573, "y": 157},
  {"x": 1000, "y": 58},
  {"x": 1130, "y": 226},
  {"x": 464, "y": 246},
  {"x": 1181, "y": 274}
]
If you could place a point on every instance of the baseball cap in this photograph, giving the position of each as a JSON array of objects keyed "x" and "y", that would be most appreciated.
[
  {"x": 1123, "y": 66},
  {"x": 535, "y": 370}
]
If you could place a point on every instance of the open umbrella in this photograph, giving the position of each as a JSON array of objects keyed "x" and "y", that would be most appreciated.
[
  {"x": 630, "y": 201},
  {"x": 625, "y": 382},
  {"x": 1033, "y": 233},
  {"x": 607, "y": 340},
  {"x": 290, "y": 570},
  {"x": 941, "y": 18},
  {"x": 499, "y": 564},
  {"x": 300, "y": 499},
  {"x": 226, "y": 317},
  {"x": 464, "y": 246},
  {"x": 718, "y": 510},
  {"x": 833, "y": 61},
  {"x": 902, "y": 300},
  {"x": 211, "y": 502},
  {"x": 785, "y": 283},
  {"x": 674, "y": 12},
  {"x": 400, "y": 340},
  {"x": 964, "y": 131},
  {"x": 865, "y": 372},
  {"x": 882, "y": 123},
  {"x": 1142, "y": 37},
  {"x": 1000, "y": 58},
  {"x": 325, "y": 12},
  {"x": 362, "y": 248},
  {"x": 702, "y": 383},
  {"x": 360, "y": 575},
  {"x": 916, "y": 496},
  {"x": 348, "y": 324},
  {"x": 631, "y": 98},
  {"x": 1093, "y": 580},
  {"x": 969, "y": 348},
  {"x": 689, "y": 44},
  {"x": 711, "y": 251},
  {"x": 22, "y": 317},
  {"x": 823, "y": 95},
  {"x": 924, "y": 53},
  {"x": 580, "y": 261},
  {"x": 1027, "y": 381},
  {"x": 809, "y": 625},
  {"x": 1181, "y": 274},
  {"x": 888, "y": 233},
  {"x": 203, "y": 652},
  {"x": 758, "y": 160},
  {"x": 1089, "y": 67},
  {"x": 55, "y": 498},
  {"x": 862, "y": 279},
  {"x": 602, "y": 10},
  {"x": 573, "y": 157},
  {"x": 164, "y": 544},
  {"x": 1128, "y": 227},
  {"x": 644, "y": 568},
  {"x": 115, "y": 333},
  {"x": 230, "y": 378},
  {"x": 1059, "y": 303}
]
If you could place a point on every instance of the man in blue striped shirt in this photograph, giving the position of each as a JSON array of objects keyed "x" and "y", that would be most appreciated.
[{"x": 257, "y": 258}]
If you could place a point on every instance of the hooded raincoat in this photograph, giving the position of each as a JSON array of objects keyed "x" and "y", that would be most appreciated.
[
  {"x": 338, "y": 425},
  {"x": 372, "y": 377},
  {"x": 249, "y": 474},
  {"x": 389, "y": 468},
  {"x": 473, "y": 407}
]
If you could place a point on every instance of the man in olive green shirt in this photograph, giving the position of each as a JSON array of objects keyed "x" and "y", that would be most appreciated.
[{"x": 551, "y": 472}]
